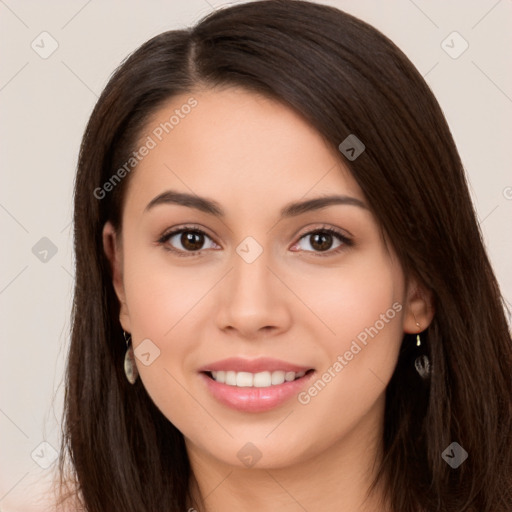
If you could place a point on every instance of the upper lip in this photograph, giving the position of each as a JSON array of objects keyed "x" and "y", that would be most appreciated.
[{"x": 239, "y": 364}]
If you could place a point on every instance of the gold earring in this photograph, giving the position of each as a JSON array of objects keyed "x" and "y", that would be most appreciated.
[
  {"x": 130, "y": 368},
  {"x": 422, "y": 362}
]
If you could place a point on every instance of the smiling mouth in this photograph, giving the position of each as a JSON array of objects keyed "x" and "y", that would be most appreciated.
[{"x": 255, "y": 380}]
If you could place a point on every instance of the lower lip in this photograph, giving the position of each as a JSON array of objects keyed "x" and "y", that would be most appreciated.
[{"x": 250, "y": 399}]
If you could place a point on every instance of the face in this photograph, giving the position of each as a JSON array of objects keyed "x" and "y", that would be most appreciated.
[{"x": 301, "y": 309}]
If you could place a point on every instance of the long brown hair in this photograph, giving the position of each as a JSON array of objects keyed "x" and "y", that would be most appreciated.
[{"x": 344, "y": 77}]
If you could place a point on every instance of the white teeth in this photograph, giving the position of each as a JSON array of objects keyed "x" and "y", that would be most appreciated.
[
  {"x": 289, "y": 376},
  {"x": 277, "y": 378},
  {"x": 257, "y": 380},
  {"x": 244, "y": 379},
  {"x": 263, "y": 379}
]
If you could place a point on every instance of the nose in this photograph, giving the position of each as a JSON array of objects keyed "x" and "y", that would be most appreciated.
[{"x": 253, "y": 299}]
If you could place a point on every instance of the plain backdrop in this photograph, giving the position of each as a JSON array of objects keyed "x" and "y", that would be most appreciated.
[{"x": 45, "y": 101}]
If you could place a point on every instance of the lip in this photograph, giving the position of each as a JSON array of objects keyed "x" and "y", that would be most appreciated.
[
  {"x": 254, "y": 399},
  {"x": 261, "y": 364}
]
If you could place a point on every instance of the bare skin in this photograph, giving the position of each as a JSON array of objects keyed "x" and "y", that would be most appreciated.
[{"x": 294, "y": 302}]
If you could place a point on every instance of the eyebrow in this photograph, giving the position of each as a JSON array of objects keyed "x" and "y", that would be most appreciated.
[{"x": 213, "y": 208}]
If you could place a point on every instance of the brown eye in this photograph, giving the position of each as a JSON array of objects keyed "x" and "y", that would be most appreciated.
[
  {"x": 322, "y": 240},
  {"x": 185, "y": 240},
  {"x": 192, "y": 240}
]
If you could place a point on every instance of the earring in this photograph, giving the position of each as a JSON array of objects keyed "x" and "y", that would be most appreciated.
[
  {"x": 422, "y": 362},
  {"x": 130, "y": 368},
  {"x": 418, "y": 341}
]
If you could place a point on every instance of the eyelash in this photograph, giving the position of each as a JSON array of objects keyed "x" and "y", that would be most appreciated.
[{"x": 346, "y": 242}]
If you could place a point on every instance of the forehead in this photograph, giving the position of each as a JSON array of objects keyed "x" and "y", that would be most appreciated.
[{"x": 238, "y": 147}]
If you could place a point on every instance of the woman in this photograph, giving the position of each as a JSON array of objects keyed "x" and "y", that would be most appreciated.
[{"x": 282, "y": 297}]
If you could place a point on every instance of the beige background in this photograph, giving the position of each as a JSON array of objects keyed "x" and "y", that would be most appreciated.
[{"x": 44, "y": 106}]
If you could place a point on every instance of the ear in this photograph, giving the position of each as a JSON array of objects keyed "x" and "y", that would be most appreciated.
[
  {"x": 113, "y": 249},
  {"x": 419, "y": 308}
]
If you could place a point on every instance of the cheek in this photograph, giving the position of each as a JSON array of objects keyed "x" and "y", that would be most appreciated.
[
  {"x": 160, "y": 293},
  {"x": 161, "y": 303},
  {"x": 362, "y": 307},
  {"x": 351, "y": 298},
  {"x": 165, "y": 301}
]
